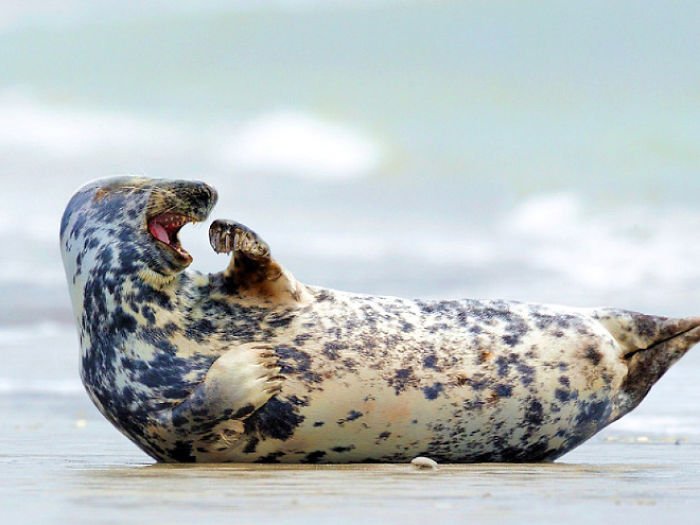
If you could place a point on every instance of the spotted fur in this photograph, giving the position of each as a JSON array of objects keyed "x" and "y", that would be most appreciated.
[{"x": 249, "y": 365}]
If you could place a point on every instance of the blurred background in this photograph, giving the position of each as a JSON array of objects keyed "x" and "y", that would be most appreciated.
[{"x": 542, "y": 151}]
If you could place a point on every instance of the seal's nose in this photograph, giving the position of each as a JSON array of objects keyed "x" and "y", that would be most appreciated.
[
  {"x": 203, "y": 196},
  {"x": 213, "y": 195}
]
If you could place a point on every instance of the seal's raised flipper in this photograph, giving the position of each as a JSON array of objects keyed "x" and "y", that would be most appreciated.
[
  {"x": 252, "y": 270},
  {"x": 238, "y": 383}
]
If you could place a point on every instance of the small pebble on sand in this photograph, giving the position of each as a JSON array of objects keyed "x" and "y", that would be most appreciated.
[{"x": 424, "y": 463}]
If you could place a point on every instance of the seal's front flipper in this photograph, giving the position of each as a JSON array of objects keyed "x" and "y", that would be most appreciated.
[
  {"x": 237, "y": 384},
  {"x": 236, "y": 238},
  {"x": 252, "y": 270}
]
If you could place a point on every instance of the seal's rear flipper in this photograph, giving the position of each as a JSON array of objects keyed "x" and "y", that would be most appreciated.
[
  {"x": 252, "y": 270},
  {"x": 650, "y": 346},
  {"x": 634, "y": 331}
]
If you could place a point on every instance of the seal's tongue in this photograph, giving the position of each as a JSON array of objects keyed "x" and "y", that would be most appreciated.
[{"x": 159, "y": 232}]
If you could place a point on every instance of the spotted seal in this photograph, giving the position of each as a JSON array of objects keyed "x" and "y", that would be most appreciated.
[{"x": 249, "y": 365}]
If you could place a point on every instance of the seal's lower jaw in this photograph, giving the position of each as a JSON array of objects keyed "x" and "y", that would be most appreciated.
[{"x": 164, "y": 229}]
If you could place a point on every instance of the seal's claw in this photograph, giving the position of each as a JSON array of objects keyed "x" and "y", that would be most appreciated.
[
  {"x": 229, "y": 236},
  {"x": 273, "y": 389}
]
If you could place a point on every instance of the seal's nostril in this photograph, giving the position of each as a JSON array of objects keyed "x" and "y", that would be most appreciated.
[
  {"x": 208, "y": 194},
  {"x": 214, "y": 196},
  {"x": 203, "y": 196}
]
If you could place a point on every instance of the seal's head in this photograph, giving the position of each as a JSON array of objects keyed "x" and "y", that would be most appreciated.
[{"x": 140, "y": 217}]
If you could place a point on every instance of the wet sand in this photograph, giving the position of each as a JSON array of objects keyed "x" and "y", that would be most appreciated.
[{"x": 62, "y": 463}]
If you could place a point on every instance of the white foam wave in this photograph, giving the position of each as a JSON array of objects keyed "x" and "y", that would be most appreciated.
[
  {"x": 554, "y": 233},
  {"x": 547, "y": 246},
  {"x": 616, "y": 249},
  {"x": 295, "y": 143},
  {"x": 59, "y": 131},
  {"x": 279, "y": 142}
]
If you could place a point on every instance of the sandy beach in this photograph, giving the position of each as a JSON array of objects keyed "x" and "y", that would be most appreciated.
[{"x": 62, "y": 463}]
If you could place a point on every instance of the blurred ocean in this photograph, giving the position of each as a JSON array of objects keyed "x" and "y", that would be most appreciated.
[{"x": 541, "y": 151}]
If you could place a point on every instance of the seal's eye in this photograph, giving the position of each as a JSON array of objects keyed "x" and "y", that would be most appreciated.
[{"x": 165, "y": 227}]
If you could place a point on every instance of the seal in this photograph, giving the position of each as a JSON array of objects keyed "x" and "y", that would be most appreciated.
[{"x": 249, "y": 365}]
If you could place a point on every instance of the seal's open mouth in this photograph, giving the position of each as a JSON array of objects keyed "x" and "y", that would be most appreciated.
[{"x": 165, "y": 227}]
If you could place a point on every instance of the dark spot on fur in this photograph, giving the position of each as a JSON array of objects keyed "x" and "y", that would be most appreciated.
[
  {"x": 478, "y": 382},
  {"x": 199, "y": 330},
  {"x": 314, "y": 457},
  {"x": 564, "y": 395},
  {"x": 276, "y": 420},
  {"x": 527, "y": 373},
  {"x": 403, "y": 377},
  {"x": 148, "y": 314},
  {"x": 251, "y": 446},
  {"x": 352, "y": 416},
  {"x": 301, "y": 339},
  {"x": 593, "y": 355},
  {"x": 340, "y": 450},
  {"x": 293, "y": 360},
  {"x": 432, "y": 392},
  {"x": 279, "y": 321},
  {"x": 503, "y": 365},
  {"x": 182, "y": 452},
  {"x": 503, "y": 390},
  {"x": 331, "y": 350},
  {"x": 534, "y": 414},
  {"x": 272, "y": 457},
  {"x": 646, "y": 325},
  {"x": 430, "y": 361},
  {"x": 593, "y": 413},
  {"x": 122, "y": 321}
]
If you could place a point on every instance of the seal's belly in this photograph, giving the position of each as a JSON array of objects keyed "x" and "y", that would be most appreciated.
[{"x": 475, "y": 389}]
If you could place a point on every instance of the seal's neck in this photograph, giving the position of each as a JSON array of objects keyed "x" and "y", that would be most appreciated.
[{"x": 157, "y": 280}]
